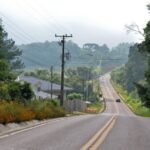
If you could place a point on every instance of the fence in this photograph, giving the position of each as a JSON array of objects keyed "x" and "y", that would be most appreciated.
[{"x": 75, "y": 105}]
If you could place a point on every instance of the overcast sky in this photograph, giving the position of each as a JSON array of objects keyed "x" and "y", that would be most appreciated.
[{"x": 97, "y": 21}]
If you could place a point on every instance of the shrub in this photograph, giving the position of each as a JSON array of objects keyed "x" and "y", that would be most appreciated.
[
  {"x": 134, "y": 103},
  {"x": 21, "y": 92},
  {"x": 14, "y": 112},
  {"x": 73, "y": 96},
  {"x": 54, "y": 103},
  {"x": 17, "y": 112},
  {"x": 4, "y": 91},
  {"x": 46, "y": 109}
]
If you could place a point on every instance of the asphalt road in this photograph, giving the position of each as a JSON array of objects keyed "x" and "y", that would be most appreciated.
[
  {"x": 130, "y": 132},
  {"x": 71, "y": 133}
]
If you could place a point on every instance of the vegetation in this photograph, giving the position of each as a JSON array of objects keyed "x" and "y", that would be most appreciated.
[
  {"x": 5, "y": 74},
  {"x": 144, "y": 89},
  {"x": 9, "y": 62},
  {"x": 135, "y": 75},
  {"x": 9, "y": 53},
  {"x": 44, "y": 74},
  {"x": 46, "y": 54},
  {"x": 73, "y": 96},
  {"x": 134, "y": 104},
  {"x": 84, "y": 81},
  {"x": 133, "y": 71},
  {"x": 78, "y": 78},
  {"x": 17, "y": 112},
  {"x": 95, "y": 107},
  {"x": 16, "y": 103}
]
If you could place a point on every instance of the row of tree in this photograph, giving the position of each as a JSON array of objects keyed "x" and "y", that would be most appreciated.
[
  {"x": 135, "y": 75},
  {"x": 133, "y": 71},
  {"x": 37, "y": 55},
  {"x": 10, "y": 65}
]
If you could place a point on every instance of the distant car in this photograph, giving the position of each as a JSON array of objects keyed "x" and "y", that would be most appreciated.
[{"x": 118, "y": 100}]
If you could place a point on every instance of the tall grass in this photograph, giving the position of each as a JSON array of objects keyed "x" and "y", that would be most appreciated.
[
  {"x": 46, "y": 109},
  {"x": 95, "y": 107},
  {"x": 133, "y": 103},
  {"x": 17, "y": 112}
]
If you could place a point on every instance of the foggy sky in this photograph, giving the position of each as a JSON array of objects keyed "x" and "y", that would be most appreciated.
[{"x": 96, "y": 21}]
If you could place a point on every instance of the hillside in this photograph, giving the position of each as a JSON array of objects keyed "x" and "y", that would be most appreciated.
[{"x": 45, "y": 54}]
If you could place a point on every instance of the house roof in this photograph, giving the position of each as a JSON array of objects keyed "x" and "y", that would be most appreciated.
[
  {"x": 43, "y": 84},
  {"x": 43, "y": 94}
]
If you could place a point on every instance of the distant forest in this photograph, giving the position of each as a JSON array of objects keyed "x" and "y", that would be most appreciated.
[
  {"x": 43, "y": 55},
  {"x": 133, "y": 71}
]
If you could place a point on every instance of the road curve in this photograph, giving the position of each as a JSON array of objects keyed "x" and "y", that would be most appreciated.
[{"x": 126, "y": 132}]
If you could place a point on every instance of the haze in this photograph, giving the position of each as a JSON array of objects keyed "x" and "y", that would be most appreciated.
[{"x": 98, "y": 21}]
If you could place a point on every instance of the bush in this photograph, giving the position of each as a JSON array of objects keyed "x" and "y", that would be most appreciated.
[
  {"x": 4, "y": 91},
  {"x": 73, "y": 96},
  {"x": 46, "y": 109},
  {"x": 17, "y": 112},
  {"x": 14, "y": 112},
  {"x": 21, "y": 92}
]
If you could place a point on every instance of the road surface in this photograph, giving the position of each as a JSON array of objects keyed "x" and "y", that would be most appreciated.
[
  {"x": 115, "y": 129},
  {"x": 130, "y": 132}
]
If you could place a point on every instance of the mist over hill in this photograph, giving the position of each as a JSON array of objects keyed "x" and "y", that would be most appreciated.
[{"x": 45, "y": 54}]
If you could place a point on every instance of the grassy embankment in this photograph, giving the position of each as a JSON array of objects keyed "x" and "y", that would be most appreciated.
[
  {"x": 134, "y": 104},
  {"x": 18, "y": 112},
  {"x": 97, "y": 106}
]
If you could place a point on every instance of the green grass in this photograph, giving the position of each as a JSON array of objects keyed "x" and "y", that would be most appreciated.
[
  {"x": 134, "y": 104},
  {"x": 97, "y": 105}
]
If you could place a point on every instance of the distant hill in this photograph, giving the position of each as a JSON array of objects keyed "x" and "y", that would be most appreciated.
[{"x": 45, "y": 54}]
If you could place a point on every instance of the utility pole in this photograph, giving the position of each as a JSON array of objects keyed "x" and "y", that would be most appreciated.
[
  {"x": 62, "y": 65},
  {"x": 87, "y": 91},
  {"x": 51, "y": 70},
  {"x": 83, "y": 89}
]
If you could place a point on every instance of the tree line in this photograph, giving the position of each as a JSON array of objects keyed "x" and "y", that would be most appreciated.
[
  {"x": 134, "y": 76},
  {"x": 10, "y": 66}
]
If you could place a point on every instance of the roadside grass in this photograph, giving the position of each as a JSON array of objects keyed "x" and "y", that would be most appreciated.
[
  {"x": 134, "y": 104},
  {"x": 17, "y": 112},
  {"x": 95, "y": 107}
]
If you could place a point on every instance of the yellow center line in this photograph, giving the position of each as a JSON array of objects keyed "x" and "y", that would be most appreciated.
[
  {"x": 100, "y": 136},
  {"x": 116, "y": 106}
]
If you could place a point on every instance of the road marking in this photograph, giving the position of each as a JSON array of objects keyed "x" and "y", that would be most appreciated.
[
  {"x": 47, "y": 122},
  {"x": 100, "y": 136},
  {"x": 111, "y": 96},
  {"x": 1, "y": 137}
]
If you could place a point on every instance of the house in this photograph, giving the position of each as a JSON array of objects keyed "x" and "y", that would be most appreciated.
[{"x": 42, "y": 88}]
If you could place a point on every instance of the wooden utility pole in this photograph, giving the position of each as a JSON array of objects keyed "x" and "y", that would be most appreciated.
[
  {"x": 51, "y": 70},
  {"x": 62, "y": 65}
]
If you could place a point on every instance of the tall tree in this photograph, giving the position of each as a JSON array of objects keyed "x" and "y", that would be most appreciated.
[
  {"x": 8, "y": 50},
  {"x": 144, "y": 89}
]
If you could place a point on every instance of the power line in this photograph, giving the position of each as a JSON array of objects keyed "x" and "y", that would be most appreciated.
[
  {"x": 35, "y": 16},
  {"x": 11, "y": 23},
  {"x": 102, "y": 58},
  {"x": 43, "y": 12},
  {"x": 34, "y": 61}
]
